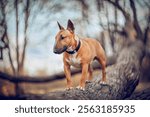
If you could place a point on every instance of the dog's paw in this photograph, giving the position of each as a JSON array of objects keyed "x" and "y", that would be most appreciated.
[
  {"x": 87, "y": 81},
  {"x": 69, "y": 88},
  {"x": 81, "y": 88},
  {"x": 103, "y": 82}
]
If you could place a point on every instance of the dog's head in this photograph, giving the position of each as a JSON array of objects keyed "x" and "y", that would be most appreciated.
[{"x": 64, "y": 38}]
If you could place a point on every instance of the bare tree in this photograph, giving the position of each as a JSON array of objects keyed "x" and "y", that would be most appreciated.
[
  {"x": 5, "y": 34},
  {"x": 20, "y": 55},
  {"x": 132, "y": 28}
]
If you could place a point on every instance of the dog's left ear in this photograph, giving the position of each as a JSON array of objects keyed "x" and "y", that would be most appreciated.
[{"x": 70, "y": 26}]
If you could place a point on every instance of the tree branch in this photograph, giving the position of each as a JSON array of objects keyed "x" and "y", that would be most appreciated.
[
  {"x": 136, "y": 24},
  {"x": 117, "y": 5}
]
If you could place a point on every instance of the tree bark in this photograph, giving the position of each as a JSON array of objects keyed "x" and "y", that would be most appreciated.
[{"x": 122, "y": 78}]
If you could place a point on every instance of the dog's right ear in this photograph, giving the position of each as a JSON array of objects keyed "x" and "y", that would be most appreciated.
[{"x": 60, "y": 27}]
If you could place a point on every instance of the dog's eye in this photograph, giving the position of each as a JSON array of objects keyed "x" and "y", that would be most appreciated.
[{"x": 62, "y": 37}]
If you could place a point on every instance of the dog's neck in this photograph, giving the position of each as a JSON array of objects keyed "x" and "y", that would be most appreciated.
[{"x": 75, "y": 47}]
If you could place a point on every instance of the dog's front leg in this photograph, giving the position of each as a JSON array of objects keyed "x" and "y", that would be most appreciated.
[
  {"x": 84, "y": 76},
  {"x": 68, "y": 76}
]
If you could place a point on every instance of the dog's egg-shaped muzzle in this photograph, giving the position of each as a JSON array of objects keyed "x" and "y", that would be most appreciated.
[{"x": 59, "y": 50}]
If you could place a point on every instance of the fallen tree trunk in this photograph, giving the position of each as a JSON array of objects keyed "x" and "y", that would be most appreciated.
[{"x": 122, "y": 78}]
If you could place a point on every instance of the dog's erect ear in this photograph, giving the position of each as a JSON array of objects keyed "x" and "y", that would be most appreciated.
[
  {"x": 60, "y": 27},
  {"x": 70, "y": 26}
]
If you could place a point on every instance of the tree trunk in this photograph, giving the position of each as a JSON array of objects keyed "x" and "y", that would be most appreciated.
[
  {"x": 122, "y": 78},
  {"x": 27, "y": 12},
  {"x": 17, "y": 41}
]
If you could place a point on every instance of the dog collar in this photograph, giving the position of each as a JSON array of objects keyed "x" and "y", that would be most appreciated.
[{"x": 76, "y": 50}]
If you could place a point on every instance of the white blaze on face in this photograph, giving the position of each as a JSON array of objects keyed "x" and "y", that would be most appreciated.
[{"x": 74, "y": 61}]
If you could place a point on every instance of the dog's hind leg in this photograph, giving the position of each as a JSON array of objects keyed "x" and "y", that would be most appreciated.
[
  {"x": 103, "y": 81},
  {"x": 102, "y": 61}
]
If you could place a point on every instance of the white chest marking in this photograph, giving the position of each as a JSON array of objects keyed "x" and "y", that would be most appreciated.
[{"x": 74, "y": 61}]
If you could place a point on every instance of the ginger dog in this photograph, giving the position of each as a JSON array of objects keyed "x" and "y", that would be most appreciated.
[{"x": 79, "y": 52}]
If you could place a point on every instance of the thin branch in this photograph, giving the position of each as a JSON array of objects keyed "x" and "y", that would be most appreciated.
[
  {"x": 136, "y": 24},
  {"x": 116, "y": 4},
  {"x": 10, "y": 57},
  {"x": 116, "y": 18}
]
